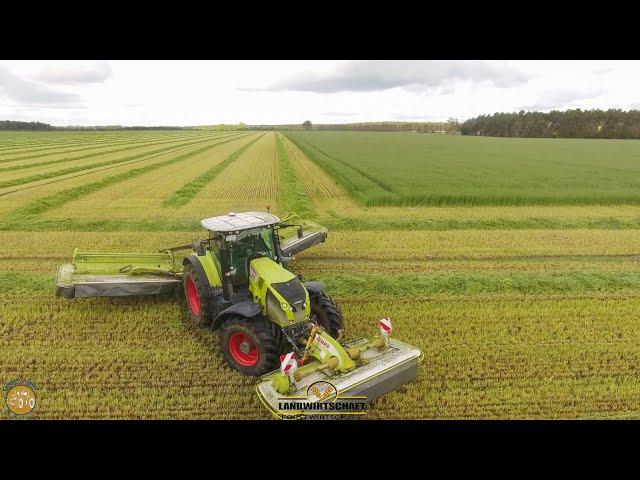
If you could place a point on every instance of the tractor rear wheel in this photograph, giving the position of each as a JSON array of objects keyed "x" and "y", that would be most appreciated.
[
  {"x": 327, "y": 312},
  {"x": 196, "y": 293},
  {"x": 249, "y": 346}
]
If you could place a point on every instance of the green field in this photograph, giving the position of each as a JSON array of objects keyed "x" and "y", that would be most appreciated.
[
  {"x": 429, "y": 169},
  {"x": 522, "y": 294}
]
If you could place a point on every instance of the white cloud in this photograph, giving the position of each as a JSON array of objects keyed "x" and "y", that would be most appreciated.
[
  {"x": 210, "y": 92},
  {"x": 27, "y": 93},
  {"x": 74, "y": 74},
  {"x": 560, "y": 98},
  {"x": 375, "y": 75}
]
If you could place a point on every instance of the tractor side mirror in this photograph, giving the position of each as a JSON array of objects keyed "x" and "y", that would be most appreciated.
[{"x": 300, "y": 232}]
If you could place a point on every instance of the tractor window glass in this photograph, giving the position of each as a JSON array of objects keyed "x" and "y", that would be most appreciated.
[
  {"x": 245, "y": 245},
  {"x": 268, "y": 242}
]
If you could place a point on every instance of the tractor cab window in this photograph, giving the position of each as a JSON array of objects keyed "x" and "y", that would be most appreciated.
[
  {"x": 247, "y": 245},
  {"x": 214, "y": 247}
]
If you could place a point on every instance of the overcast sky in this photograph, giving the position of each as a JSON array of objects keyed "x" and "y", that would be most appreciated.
[{"x": 272, "y": 92}]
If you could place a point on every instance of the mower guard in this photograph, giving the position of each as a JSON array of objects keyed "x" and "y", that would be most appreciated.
[
  {"x": 384, "y": 371},
  {"x": 118, "y": 274}
]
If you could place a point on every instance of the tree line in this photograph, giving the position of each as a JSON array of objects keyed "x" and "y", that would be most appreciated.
[
  {"x": 577, "y": 123},
  {"x": 451, "y": 126},
  {"x": 15, "y": 125}
]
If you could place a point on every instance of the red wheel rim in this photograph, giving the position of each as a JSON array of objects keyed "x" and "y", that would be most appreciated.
[
  {"x": 192, "y": 297},
  {"x": 243, "y": 350}
]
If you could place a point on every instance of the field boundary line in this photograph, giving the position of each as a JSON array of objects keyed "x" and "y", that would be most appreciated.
[{"x": 189, "y": 190}]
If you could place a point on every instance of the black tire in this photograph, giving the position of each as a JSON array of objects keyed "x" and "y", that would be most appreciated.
[
  {"x": 327, "y": 312},
  {"x": 196, "y": 292},
  {"x": 249, "y": 345}
]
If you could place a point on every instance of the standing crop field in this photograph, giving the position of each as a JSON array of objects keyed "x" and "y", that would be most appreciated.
[
  {"x": 513, "y": 264},
  {"x": 417, "y": 169}
]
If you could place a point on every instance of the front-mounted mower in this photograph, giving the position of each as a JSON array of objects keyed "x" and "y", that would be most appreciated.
[{"x": 236, "y": 282}]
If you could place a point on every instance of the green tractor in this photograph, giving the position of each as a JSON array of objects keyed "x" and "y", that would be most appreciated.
[{"x": 270, "y": 323}]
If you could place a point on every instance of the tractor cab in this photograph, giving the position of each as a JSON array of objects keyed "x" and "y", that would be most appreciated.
[{"x": 238, "y": 238}]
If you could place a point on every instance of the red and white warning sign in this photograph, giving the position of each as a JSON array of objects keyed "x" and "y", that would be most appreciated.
[
  {"x": 385, "y": 326},
  {"x": 288, "y": 363}
]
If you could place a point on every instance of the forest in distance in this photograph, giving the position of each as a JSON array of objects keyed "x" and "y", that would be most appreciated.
[{"x": 576, "y": 123}]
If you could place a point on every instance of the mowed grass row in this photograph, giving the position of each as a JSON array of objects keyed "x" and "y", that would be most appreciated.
[
  {"x": 14, "y": 198},
  {"x": 483, "y": 357},
  {"x": 293, "y": 198},
  {"x": 119, "y": 359},
  {"x": 409, "y": 169},
  {"x": 420, "y": 246},
  {"x": 40, "y": 162},
  {"x": 90, "y": 161},
  {"x": 36, "y": 159},
  {"x": 250, "y": 182},
  {"x": 512, "y": 358},
  {"x": 190, "y": 189},
  {"x": 20, "y": 141},
  {"x": 28, "y": 215},
  {"x": 147, "y": 192},
  {"x": 37, "y": 141}
]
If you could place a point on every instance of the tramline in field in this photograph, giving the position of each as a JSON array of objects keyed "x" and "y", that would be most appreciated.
[{"x": 236, "y": 282}]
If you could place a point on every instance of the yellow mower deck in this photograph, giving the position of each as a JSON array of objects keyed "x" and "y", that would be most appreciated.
[
  {"x": 118, "y": 274},
  {"x": 384, "y": 371}
]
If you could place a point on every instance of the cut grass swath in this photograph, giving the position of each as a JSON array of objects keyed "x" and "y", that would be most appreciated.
[
  {"x": 188, "y": 191},
  {"x": 100, "y": 153},
  {"x": 81, "y": 157},
  {"x": 26, "y": 213},
  {"x": 66, "y": 171},
  {"x": 292, "y": 197}
]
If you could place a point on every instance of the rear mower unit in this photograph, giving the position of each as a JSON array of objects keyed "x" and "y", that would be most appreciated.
[{"x": 236, "y": 282}]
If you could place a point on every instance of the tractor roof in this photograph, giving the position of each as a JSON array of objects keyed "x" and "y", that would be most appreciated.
[{"x": 234, "y": 222}]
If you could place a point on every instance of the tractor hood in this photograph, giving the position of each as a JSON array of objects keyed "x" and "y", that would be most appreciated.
[
  {"x": 271, "y": 272},
  {"x": 285, "y": 297}
]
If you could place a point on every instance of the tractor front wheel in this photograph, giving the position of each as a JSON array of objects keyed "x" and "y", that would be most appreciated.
[
  {"x": 197, "y": 297},
  {"x": 249, "y": 346},
  {"x": 327, "y": 312}
]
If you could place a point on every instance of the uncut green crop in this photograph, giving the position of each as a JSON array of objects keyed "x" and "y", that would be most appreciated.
[{"x": 411, "y": 169}]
